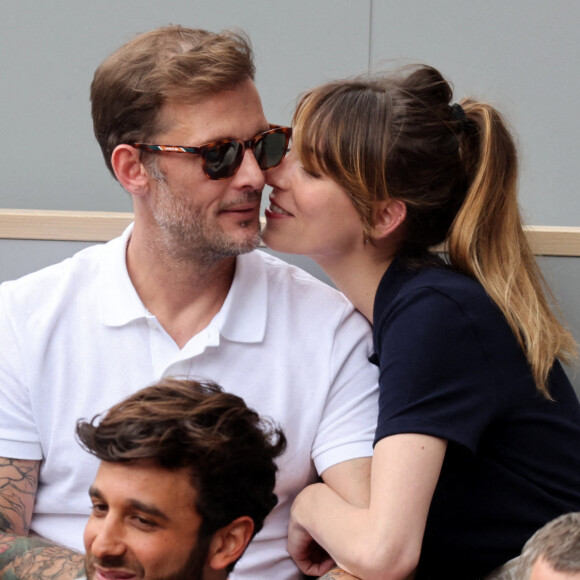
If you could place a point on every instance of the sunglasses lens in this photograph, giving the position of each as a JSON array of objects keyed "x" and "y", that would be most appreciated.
[
  {"x": 270, "y": 149},
  {"x": 222, "y": 160}
]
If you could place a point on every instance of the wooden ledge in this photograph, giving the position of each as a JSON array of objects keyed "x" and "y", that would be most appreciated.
[
  {"x": 554, "y": 240},
  {"x": 101, "y": 226},
  {"x": 77, "y": 226}
]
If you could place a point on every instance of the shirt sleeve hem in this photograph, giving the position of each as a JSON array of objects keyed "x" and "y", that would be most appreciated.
[
  {"x": 425, "y": 428},
  {"x": 344, "y": 453},
  {"x": 20, "y": 449}
]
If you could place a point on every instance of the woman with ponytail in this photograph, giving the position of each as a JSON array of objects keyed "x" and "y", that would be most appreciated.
[{"x": 478, "y": 439}]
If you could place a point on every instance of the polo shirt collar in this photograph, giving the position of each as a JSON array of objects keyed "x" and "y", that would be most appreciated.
[
  {"x": 244, "y": 313},
  {"x": 119, "y": 302},
  {"x": 242, "y": 317}
]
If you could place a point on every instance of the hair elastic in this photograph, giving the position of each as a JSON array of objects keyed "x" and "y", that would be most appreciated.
[{"x": 459, "y": 114}]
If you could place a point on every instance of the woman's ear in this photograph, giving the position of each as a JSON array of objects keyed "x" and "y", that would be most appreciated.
[
  {"x": 228, "y": 543},
  {"x": 130, "y": 172},
  {"x": 389, "y": 215}
]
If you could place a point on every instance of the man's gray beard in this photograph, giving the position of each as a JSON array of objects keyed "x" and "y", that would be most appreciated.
[
  {"x": 187, "y": 236},
  {"x": 191, "y": 239}
]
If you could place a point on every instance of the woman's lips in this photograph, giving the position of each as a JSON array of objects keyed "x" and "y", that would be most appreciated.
[{"x": 275, "y": 211}]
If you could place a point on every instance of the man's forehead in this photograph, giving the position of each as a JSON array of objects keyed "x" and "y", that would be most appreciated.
[
  {"x": 139, "y": 480},
  {"x": 233, "y": 114}
]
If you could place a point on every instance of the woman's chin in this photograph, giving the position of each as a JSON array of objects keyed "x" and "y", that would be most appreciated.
[{"x": 275, "y": 241}]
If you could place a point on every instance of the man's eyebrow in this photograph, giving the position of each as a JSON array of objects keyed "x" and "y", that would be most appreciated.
[
  {"x": 148, "y": 509},
  {"x": 94, "y": 492},
  {"x": 151, "y": 510}
]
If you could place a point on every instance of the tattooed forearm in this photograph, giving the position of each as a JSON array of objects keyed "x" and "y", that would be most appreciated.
[
  {"x": 37, "y": 559},
  {"x": 18, "y": 484},
  {"x": 337, "y": 573},
  {"x": 5, "y": 523}
]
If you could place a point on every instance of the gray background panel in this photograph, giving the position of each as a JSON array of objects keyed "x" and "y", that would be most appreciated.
[{"x": 522, "y": 55}]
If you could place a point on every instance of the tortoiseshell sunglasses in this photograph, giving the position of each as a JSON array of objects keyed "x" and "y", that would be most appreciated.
[{"x": 221, "y": 159}]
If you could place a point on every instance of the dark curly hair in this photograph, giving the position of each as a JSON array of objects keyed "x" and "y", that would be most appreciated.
[{"x": 229, "y": 448}]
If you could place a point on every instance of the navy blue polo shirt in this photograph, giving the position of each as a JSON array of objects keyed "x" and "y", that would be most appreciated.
[{"x": 450, "y": 367}]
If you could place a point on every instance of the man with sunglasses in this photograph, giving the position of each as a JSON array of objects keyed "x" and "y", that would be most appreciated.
[{"x": 181, "y": 293}]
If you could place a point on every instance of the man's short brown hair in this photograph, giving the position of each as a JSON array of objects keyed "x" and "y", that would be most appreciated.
[{"x": 169, "y": 63}]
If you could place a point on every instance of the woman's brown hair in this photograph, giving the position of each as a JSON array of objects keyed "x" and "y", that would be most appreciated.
[{"x": 455, "y": 166}]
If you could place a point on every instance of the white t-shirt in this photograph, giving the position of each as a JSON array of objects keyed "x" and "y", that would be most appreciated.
[{"x": 75, "y": 339}]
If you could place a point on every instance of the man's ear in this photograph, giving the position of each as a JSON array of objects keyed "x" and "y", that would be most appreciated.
[
  {"x": 228, "y": 543},
  {"x": 389, "y": 216},
  {"x": 129, "y": 170}
]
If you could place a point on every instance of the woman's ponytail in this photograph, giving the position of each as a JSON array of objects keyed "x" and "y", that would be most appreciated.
[{"x": 487, "y": 242}]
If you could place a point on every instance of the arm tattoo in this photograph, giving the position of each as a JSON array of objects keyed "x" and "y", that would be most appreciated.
[
  {"x": 23, "y": 557},
  {"x": 337, "y": 573},
  {"x": 37, "y": 559},
  {"x": 18, "y": 484}
]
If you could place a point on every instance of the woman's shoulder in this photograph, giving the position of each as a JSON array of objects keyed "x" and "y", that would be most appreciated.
[
  {"x": 444, "y": 278},
  {"x": 433, "y": 284}
]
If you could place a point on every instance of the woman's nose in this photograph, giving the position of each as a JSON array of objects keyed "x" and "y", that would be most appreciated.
[{"x": 275, "y": 175}]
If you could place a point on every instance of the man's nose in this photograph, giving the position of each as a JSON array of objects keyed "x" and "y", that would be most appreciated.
[
  {"x": 249, "y": 175},
  {"x": 108, "y": 539}
]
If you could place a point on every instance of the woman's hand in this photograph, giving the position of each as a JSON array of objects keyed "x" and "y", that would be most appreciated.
[
  {"x": 310, "y": 558},
  {"x": 384, "y": 540}
]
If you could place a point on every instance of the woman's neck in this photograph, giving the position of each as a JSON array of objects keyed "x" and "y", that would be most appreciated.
[{"x": 358, "y": 276}]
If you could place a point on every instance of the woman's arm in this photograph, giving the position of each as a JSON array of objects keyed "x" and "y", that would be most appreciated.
[{"x": 383, "y": 541}]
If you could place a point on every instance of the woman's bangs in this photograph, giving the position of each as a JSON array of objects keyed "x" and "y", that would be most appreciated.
[{"x": 316, "y": 134}]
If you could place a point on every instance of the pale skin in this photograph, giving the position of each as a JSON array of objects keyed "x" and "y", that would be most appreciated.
[
  {"x": 312, "y": 215},
  {"x": 181, "y": 290},
  {"x": 337, "y": 574},
  {"x": 542, "y": 570}
]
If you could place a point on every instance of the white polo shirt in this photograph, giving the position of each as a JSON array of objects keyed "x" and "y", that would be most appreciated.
[{"x": 75, "y": 339}]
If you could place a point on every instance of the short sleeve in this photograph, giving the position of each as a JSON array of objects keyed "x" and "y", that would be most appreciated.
[
  {"x": 435, "y": 378},
  {"x": 349, "y": 419},
  {"x": 18, "y": 434}
]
